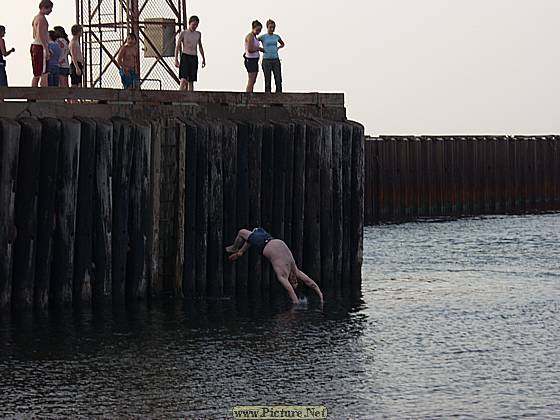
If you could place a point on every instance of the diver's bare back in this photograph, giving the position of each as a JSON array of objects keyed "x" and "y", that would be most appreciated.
[{"x": 279, "y": 254}]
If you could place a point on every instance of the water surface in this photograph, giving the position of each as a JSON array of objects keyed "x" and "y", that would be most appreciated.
[{"x": 457, "y": 319}]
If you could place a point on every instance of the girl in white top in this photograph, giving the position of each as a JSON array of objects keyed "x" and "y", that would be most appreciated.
[
  {"x": 63, "y": 64},
  {"x": 252, "y": 55}
]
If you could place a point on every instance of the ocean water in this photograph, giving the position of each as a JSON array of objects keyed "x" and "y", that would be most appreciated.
[{"x": 457, "y": 319}]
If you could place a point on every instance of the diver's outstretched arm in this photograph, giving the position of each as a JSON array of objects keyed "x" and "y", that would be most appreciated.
[{"x": 310, "y": 283}]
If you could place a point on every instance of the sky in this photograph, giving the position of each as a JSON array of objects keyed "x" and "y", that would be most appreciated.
[{"x": 405, "y": 66}]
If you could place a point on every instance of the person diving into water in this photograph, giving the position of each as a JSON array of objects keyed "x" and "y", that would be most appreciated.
[{"x": 280, "y": 257}]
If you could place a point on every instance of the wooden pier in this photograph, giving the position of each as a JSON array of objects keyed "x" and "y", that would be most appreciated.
[{"x": 113, "y": 195}]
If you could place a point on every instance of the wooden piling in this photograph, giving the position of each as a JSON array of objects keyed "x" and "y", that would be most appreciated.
[
  {"x": 215, "y": 211},
  {"x": 243, "y": 206},
  {"x": 189, "y": 269},
  {"x": 50, "y": 151},
  {"x": 267, "y": 200},
  {"x": 229, "y": 150},
  {"x": 202, "y": 191},
  {"x": 255, "y": 145},
  {"x": 312, "y": 229},
  {"x": 326, "y": 207},
  {"x": 289, "y": 185},
  {"x": 338, "y": 220},
  {"x": 298, "y": 212},
  {"x": 26, "y": 213},
  {"x": 357, "y": 227},
  {"x": 347, "y": 180},
  {"x": 9, "y": 152},
  {"x": 103, "y": 212},
  {"x": 83, "y": 246},
  {"x": 136, "y": 270},
  {"x": 62, "y": 279}
]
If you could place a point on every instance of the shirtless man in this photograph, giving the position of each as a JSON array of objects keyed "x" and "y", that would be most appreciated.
[
  {"x": 127, "y": 59},
  {"x": 77, "y": 64},
  {"x": 279, "y": 255},
  {"x": 188, "y": 43},
  {"x": 3, "y": 53},
  {"x": 40, "y": 47}
]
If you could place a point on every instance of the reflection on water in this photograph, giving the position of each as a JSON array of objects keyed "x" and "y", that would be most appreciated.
[{"x": 458, "y": 318}]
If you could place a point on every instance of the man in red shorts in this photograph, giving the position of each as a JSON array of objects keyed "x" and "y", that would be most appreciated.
[{"x": 40, "y": 47}]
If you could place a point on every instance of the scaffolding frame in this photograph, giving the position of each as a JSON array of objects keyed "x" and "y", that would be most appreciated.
[{"x": 106, "y": 23}]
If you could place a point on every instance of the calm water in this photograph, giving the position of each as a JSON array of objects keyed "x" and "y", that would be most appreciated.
[{"x": 458, "y": 319}]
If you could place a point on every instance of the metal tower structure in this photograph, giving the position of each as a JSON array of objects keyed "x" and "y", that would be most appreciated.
[{"x": 106, "y": 24}]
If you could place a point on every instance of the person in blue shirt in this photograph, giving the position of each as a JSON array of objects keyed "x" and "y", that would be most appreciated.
[
  {"x": 271, "y": 61},
  {"x": 53, "y": 64}
]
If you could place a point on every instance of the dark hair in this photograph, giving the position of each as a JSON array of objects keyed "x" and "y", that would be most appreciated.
[
  {"x": 2, "y": 28},
  {"x": 270, "y": 22},
  {"x": 61, "y": 32},
  {"x": 47, "y": 4},
  {"x": 194, "y": 18},
  {"x": 53, "y": 35},
  {"x": 76, "y": 29},
  {"x": 256, "y": 23},
  {"x": 131, "y": 35}
]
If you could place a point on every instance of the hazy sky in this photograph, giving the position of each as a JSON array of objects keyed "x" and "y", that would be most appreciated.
[{"x": 406, "y": 66}]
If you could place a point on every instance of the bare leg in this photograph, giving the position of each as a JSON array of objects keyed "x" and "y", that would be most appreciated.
[
  {"x": 242, "y": 236},
  {"x": 44, "y": 80},
  {"x": 190, "y": 86},
  {"x": 251, "y": 82},
  {"x": 35, "y": 81},
  {"x": 183, "y": 85}
]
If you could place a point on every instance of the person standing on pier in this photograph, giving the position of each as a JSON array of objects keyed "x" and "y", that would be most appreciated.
[
  {"x": 40, "y": 47},
  {"x": 279, "y": 255},
  {"x": 252, "y": 55},
  {"x": 189, "y": 42},
  {"x": 3, "y": 53},
  {"x": 127, "y": 58},
  {"x": 52, "y": 65},
  {"x": 271, "y": 61},
  {"x": 63, "y": 64},
  {"x": 77, "y": 64}
]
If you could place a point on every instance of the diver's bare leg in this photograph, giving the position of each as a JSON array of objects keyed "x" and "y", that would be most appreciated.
[{"x": 242, "y": 236}]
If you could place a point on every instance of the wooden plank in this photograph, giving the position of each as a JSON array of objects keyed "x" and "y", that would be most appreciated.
[
  {"x": 326, "y": 208},
  {"x": 50, "y": 150},
  {"x": 438, "y": 174},
  {"x": 189, "y": 270},
  {"x": 289, "y": 186},
  {"x": 215, "y": 211},
  {"x": 229, "y": 152},
  {"x": 414, "y": 153},
  {"x": 179, "y": 216},
  {"x": 338, "y": 215},
  {"x": 136, "y": 273},
  {"x": 298, "y": 205},
  {"x": 267, "y": 201},
  {"x": 26, "y": 213},
  {"x": 243, "y": 206},
  {"x": 312, "y": 228},
  {"x": 346, "y": 206},
  {"x": 202, "y": 191},
  {"x": 255, "y": 209},
  {"x": 357, "y": 226},
  {"x": 83, "y": 249},
  {"x": 9, "y": 150},
  {"x": 103, "y": 212},
  {"x": 67, "y": 189},
  {"x": 156, "y": 285},
  {"x": 122, "y": 162}
]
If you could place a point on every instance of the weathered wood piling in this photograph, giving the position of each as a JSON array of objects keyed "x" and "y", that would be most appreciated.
[
  {"x": 408, "y": 178},
  {"x": 110, "y": 202}
]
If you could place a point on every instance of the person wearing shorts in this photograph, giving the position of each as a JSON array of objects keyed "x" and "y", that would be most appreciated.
[
  {"x": 127, "y": 59},
  {"x": 63, "y": 63},
  {"x": 53, "y": 64},
  {"x": 252, "y": 55},
  {"x": 77, "y": 64},
  {"x": 40, "y": 47},
  {"x": 277, "y": 252},
  {"x": 189, "y": 42}
]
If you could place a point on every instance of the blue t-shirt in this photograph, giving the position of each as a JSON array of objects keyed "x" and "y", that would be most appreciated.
[
  {"x": 270, "y": 45},
  {"x": 55, "y": 55}
]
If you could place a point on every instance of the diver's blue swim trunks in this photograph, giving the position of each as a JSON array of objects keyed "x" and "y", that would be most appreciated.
[{"x": 259, "y": 239}]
